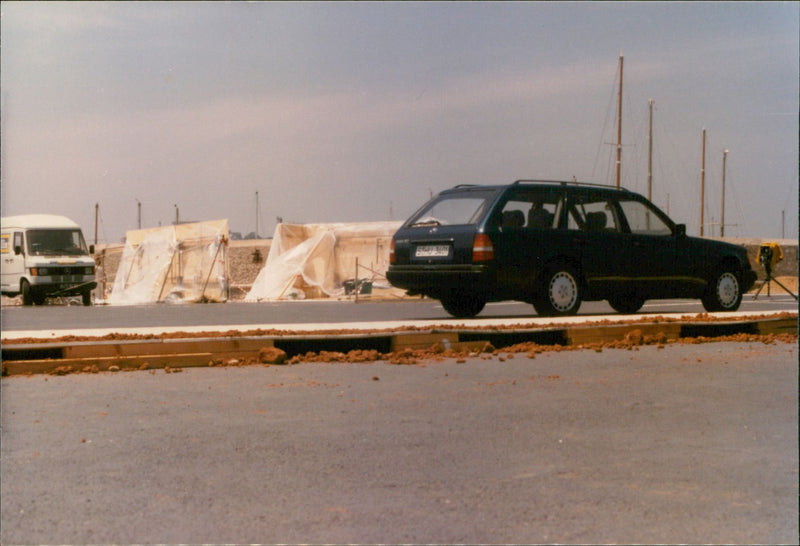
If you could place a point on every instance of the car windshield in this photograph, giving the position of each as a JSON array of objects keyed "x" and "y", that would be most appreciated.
[
  {"x": 453, "y": 209},
  {"x": 56, "y": 242}
]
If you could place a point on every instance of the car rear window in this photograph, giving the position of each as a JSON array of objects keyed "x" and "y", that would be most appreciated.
[{"x": 454, "y": 209}]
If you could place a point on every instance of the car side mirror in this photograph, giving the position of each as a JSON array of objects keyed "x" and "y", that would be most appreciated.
[
  {"x": 680, "y": 230},
  {"x": 91, "y": 249},
  {"x": 17, "y": 250}
]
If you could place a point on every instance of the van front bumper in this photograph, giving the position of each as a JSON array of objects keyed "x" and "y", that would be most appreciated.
[{"x": 63, "y": 285}]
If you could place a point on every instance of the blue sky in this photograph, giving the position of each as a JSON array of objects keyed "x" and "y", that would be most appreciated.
[{"x": 338, "y": 112}]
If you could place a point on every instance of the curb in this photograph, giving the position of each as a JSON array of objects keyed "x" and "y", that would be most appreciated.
[{"x": 169, "y": 353}]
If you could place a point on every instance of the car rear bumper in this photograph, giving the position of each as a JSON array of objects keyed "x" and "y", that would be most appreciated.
[{"x": 436, "y": 279}]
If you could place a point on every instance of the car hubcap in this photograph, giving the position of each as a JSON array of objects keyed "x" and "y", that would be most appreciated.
[
  {"x": 563, "y": 291},
  {"x": 727, "y": 290}
]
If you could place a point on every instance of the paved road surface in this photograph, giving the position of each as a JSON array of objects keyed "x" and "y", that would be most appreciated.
[
  {"x": 59, "y": 317},
  {"x": 674, "y": 445}
]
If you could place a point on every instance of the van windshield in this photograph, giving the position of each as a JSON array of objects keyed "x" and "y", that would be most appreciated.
[{"x": 56, "y": 242}]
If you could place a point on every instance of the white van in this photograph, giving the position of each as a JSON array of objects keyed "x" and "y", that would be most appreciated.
[{"x": 45, "y": 255}]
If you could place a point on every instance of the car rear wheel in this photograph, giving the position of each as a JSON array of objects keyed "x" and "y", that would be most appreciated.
[
  {"x": 625, "y": 303},
  {"x": 463, "y": 304},
  {"x": 724, "y": 293},
  {"x": 559, "y": 293}
]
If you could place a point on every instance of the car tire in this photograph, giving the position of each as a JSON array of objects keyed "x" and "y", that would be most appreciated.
[
  {"x": 723, "y": 293},
  {"x": 27, "y": 293},
  {"x": 626, "y": 304},
  {"x": 86, "y": 297},
  {"x": 559, "y": 292},
  {"x": 463, "y": 305}
]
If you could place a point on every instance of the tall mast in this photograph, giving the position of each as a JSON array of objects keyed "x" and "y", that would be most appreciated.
[
  {"x": 722, "y": 220},
  {"x": 703, "y": 184},
  {"x": 96, "y": 216},
  {"x": 650, "y": 156},
  {"x": 619, "y": 125},
  {"x": 257, "y": 215}
]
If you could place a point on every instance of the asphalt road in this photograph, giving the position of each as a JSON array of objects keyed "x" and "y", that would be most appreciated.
[
  {"x": 59, "y": 317},
  {"x": 694, "y": 444}
]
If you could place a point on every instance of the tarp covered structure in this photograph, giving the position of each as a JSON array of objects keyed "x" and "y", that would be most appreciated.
[
  {"x": 177, "y": 263},
  {"x": 314, "y": 260}
]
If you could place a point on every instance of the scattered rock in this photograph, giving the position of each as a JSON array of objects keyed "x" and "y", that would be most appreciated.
[{"x": 272, "y": 355}]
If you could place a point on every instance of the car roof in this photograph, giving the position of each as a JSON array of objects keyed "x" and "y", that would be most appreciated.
[{"x": 542, "y": 184}]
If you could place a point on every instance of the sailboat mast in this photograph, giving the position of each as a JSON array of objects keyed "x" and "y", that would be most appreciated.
[
  {"x": 703, "y": 184},
  {"x": 722, "y": 220},
  {"x": 650, "y": 156},
  {"x": 619, "y": 125}
]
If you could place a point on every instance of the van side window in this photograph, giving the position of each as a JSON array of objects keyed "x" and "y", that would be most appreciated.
[{"x": 18, "y": 241}]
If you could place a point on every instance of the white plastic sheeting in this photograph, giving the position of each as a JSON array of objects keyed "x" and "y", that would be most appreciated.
[
  {"x": 177, "y": 264},
  {"x": 314, "y": 260}
]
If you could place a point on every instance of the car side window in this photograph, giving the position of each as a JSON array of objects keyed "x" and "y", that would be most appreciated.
[
  {"x": 593, "y": 215},
  {"x": 18, "y": 239},
  {"x": 642, "y": 220},
  {"x": 533, "y": 210}
]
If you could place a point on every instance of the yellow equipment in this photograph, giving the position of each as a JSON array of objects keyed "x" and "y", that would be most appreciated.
[{"x": 769, "y": 254}]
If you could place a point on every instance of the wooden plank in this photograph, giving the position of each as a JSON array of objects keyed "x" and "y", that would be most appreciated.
[
  {"x": 778, "y": 326},
  {"x": 166, "y": 346},
  {"x": 594, "y": 334},
  {"x": 422, "y": 341},
  {"x": 142, "y": 362}
]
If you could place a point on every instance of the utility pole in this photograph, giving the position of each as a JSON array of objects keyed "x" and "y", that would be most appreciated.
[
  {"x": 619, "y": 125},
  {"x": 722, "y": 219},
  {"x": 703, "y": 184},
  {"x": 177, "y": 215},
  {"x": 96, "y": 215},
  {"x": 139, "y": 214},
  {"x": 257, "y": 236}
]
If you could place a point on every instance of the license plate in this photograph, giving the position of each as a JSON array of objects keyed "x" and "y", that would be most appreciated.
[{"x": 432, "y": 251}]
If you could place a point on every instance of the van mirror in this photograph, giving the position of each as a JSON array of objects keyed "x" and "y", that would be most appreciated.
[
  {"x": 680, "y": 230},
  {"x": 91, "y": 249}
]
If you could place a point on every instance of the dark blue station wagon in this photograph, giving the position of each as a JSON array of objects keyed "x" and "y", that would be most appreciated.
[{"x": 554, "y": 244}]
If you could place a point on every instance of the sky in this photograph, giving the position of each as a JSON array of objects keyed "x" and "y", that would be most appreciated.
[{"x": 360, "y": 111}]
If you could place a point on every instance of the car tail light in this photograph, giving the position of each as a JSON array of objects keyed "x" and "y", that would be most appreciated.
[
  {"x": 482, "y": 249},
  {"x": 391, "y": 252}
]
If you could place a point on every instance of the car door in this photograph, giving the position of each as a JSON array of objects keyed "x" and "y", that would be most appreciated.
[
  {"x": 525, "y": 234},
  {"x": 594, "y": 224},
  {"x": 651, "y": 254}
]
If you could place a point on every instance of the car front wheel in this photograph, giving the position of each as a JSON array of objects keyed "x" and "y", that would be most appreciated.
[
  {"x": 559, "y": 293},
  {"x": 625, "y": 303},
  {"x": 463, "y": 304},
  {"x": 724, "y": 293}
]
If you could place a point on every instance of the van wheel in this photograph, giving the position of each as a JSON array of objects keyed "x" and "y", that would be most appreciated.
[
  {"x": 463, "y": 304},
  {"x": 724, "y": 293},
  {"x": 27, "y": 293},
  {"x": 559, "y": 292},
  {"x": 87, "y": 298}
]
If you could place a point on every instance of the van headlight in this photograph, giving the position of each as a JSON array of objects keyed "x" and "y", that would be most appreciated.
[
  {"x": 40, "y": 271},
  {"x": 88, "y": 270}
]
